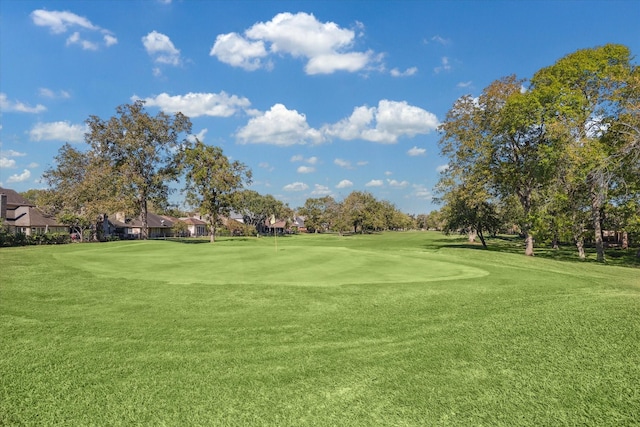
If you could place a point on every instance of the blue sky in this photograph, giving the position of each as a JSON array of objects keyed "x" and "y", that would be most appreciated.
[{"x": 316, "y": 97}]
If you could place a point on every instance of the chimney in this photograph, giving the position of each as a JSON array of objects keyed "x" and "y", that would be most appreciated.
[{"x": 3, "y": 206}]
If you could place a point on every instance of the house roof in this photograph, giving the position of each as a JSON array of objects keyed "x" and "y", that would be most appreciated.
[
  {"x": 153, "y": 221},
  {"x": 30, "y": 216},
  {"x": 193, "y": 221},
  {"x": 14, "y": 199},
  {"x": 278, "y": 224}
]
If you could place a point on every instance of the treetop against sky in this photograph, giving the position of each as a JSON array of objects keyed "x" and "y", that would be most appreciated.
[{"x": 317, "y": 98}]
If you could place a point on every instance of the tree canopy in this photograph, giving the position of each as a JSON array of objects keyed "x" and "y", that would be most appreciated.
[{"x": 561, "y": 146}]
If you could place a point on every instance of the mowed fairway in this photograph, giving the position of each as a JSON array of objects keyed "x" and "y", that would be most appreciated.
[{"x": 390, "y": 329}]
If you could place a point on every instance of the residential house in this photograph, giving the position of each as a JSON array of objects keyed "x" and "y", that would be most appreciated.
[
  {"x": 298, "y": 224},
  {"x": 196, "y": 227},
  {"x": 22, "y": 216},
  {"x": 131, "y": 228},
  {"x": 279, "y": 226}
]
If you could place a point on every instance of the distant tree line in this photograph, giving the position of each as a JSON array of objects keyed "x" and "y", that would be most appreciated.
[
  {"x": 359, "y": 212},
  {"x": 133, "y": 157},
  {"x": 558, "y": 155}
]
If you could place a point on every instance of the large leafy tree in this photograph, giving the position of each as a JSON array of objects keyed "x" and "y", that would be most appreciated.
[
  {"x": 498, "y": 142},
  {"x": 256, "y": 208},
  {"x": 211, "y": 181},
  {"x": 583, "y": 98},
  {"x": 467, "y": 214},
  {"x": 140, "y": 149},
  {"x": 362, "y": 211},
  {"x": 319, "y": 213},
  {"x": 82, "y": 187}
]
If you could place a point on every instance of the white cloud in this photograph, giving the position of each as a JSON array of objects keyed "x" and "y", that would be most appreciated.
[
  {"x": 374, "y": 183},
  {"x": 279, "y": 126},
  {"x": 11, "y": 153},
  {"x": 388, "y": 173},
  {"x": 385, "y": 123},
  {"x": 198, "y": 104},
  {"x": 266, "y": 165},
  {"x": 60, "y": 22},
  {"x": 109, "y": 40},
  {"x": 16, "y": 106},
  {"x": 444, "y": 65},
  {"x": 421, "y": 192},
  {"x": 397, "y": 184},
  {"x": 326, "y": 46},
  {"x": 415, "y": 151},
  {"x": 33, "y": 165},
  {"x": 306, "y": 169},
  {"x": 199, "y": 136},
  {"x": 441, "y": 40},
  {"x": 25, "y": 175},
  {"x": 7, "y": 163},
  {"x": 331, "y": 62},
  {"x": 408, "y": 72},
  {"x": 160, "y": 47},
  {"x": 442, "y": 168},
  {"x": 345, "y": 183},
  {"x": 362, "y": 163},
  {"x": 300, "y": 158},
  {"x": 57, "y": 131},
  {"x": 76, "y": 39},
  {"x": 237, "y": 51},
  {"x": 320, "y": 190},
  {"x": 296, "y": 186},
  {"x": 48, "y": 93},
  {"x": 343, "y": 163},
  {"x": 464, "y": 84}
]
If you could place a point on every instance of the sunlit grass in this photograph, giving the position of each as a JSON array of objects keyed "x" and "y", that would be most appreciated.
[{"x": 391, "y": 329}]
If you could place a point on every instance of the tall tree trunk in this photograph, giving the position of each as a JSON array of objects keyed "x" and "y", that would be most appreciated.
[
  {"x": 481, "y": 236},
  {"x": 580, "y": 246},
  {"x": 144, "y": 233},
  {"x": 554, "y": 243},
  {"x": 212, "y": 228},
  {"x": 577, "y": 229},
  {"x": 596, "y": 205},
  {"x": 625, "y": 240},
  {"x": 472, "y": 236},
  {"x": 528, "y": 244},
  {"x": 525, "y": 227}
]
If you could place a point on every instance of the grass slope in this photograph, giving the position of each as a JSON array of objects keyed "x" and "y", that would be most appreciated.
[{"x": 391, "y": 329}]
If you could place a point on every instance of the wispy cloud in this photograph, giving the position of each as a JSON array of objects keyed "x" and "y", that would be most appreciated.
[
  {"x": 8, "y": 106},
  {"x": 415, "y": 151},
  {"x": 444, "y": 65},
  {"x": 83, "y": 30},
  {"x": 296, "y": 186},
  {"x": 408, "y": 72}
]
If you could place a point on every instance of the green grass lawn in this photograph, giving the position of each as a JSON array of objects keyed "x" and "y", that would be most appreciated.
[{"x": 392, "y": 329}]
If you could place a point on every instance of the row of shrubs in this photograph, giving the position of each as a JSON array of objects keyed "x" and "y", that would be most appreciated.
[{"x": 21, "y": 239}]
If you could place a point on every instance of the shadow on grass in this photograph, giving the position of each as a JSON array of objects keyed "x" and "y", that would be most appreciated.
[
  {"x": 187, "y": 240},
  {"x": 568, "y": 253}
]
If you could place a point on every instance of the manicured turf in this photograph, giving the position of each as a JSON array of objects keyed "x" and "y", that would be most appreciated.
[{"x": 391, "y": 329}]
